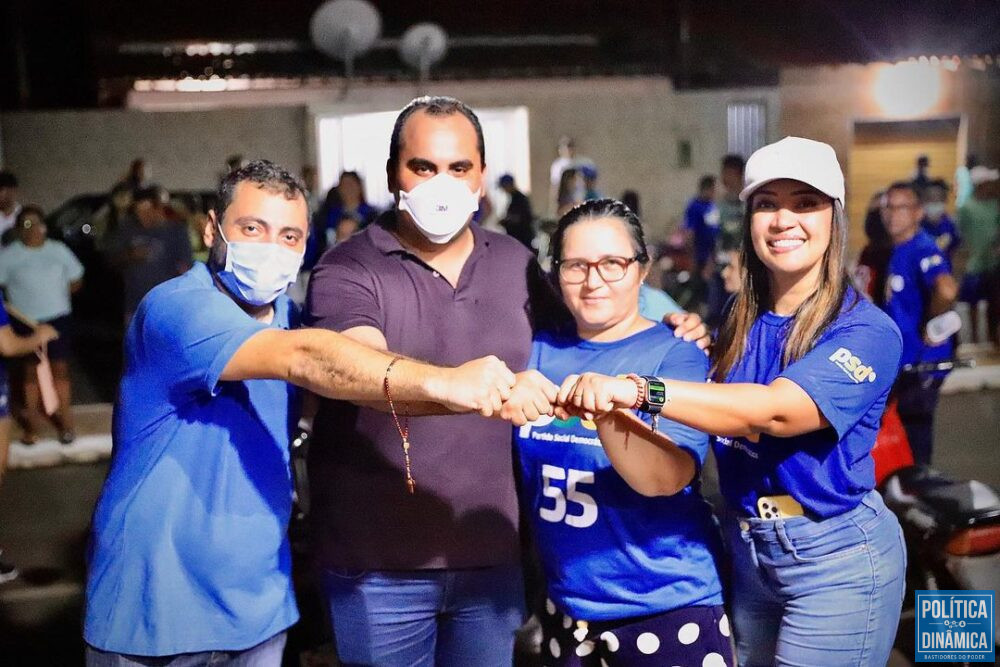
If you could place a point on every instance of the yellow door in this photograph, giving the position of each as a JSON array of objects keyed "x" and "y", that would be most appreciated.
[{"x": 883, "y": 153}]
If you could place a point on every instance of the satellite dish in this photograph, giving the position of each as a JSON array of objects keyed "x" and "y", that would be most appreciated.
[
  {"x": 423, "y": 45},
  {"x": 345, "y": 29}
]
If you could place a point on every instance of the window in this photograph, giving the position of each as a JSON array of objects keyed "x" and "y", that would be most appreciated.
[
  {"x": 360, "y": 142},
  {"x": 746, "y": 123}
]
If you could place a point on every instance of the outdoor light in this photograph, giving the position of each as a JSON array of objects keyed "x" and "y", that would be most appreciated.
[{"x": 909, "y": 88}]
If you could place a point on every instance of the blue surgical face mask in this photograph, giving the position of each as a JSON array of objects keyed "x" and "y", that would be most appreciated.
[{"x": 258, "y": 273}]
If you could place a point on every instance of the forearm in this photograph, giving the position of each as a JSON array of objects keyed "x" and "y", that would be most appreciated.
[
  {"x": 731, "y": 410},
  {"x": 12, "y": 345},
  {"x": 410, "y": 408},
  {"x": 334, "y": 366},
  {"x": 647, "y": 460}
]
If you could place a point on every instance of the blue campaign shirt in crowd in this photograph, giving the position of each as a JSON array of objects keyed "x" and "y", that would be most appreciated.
[
  {"x": 607, "y": 551},
  {"x": 848, "y": 374},
  {"x": 945, "y": 234},
  {"x": 913, "y": 268},
  {"x": 702, "y": 217},
  {"x": 190, "y": 550}
]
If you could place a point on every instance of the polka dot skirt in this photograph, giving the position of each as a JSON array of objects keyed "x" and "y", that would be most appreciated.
[{"x": 688, "y": 637}]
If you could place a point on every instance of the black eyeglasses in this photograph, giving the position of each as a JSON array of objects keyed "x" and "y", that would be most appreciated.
[{"x": 610, "y": 269}]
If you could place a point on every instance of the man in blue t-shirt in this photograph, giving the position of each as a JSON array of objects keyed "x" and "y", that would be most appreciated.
[
  {"x": 701, "y": 220},
  {"x": 919, "y": 287},
  {"x": 189, "y": 553},
  {"x": 936, "y": 220}
]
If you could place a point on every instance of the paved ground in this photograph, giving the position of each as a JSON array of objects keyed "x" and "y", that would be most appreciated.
[{"x": 44, "y": 515}]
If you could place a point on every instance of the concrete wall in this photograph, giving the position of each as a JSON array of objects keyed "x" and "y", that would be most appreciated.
[
  {"x": 60, "y": 154},
  {"x": 629, "y": 126}
]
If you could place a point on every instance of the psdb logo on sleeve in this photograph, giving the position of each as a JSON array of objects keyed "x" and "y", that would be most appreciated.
[{"x": 955, "y": 626}]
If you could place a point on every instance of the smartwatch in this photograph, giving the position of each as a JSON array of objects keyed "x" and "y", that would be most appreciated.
[{"x": 655, "y": 395}]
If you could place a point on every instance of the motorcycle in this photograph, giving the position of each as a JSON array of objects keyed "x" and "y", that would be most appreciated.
[{"x": 951, "y": 526}]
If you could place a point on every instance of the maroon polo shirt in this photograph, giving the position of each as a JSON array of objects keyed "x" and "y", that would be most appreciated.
[{"x": 464, "y": 513}]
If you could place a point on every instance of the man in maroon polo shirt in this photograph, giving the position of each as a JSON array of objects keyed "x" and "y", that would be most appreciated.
[{"x": 430, "y": 577}]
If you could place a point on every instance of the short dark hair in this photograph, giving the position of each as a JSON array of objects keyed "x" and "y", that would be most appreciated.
[
  {"x": 904, "y": 185},
  {"x": 8, "y": 179},
  {"x": 600, "y": 208},
  {"x": 734, "y": 161},
  {"x": 26, "y": 211},
  {"x": 150, "y": 193},
  {"x": 433, "y": 106},
  {"x": 263, "y": 174},
  {"x": 706, "y": 182},
  {"x": 506, "y": 179}
]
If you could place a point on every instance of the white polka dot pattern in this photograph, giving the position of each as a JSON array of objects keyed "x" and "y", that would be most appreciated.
[
  {"x": 724, "y": 625},
  {"x": 554, "y": 648},
  {"x": 550, "y": 607},
  {"x": 713, "y": 660},
  {"x": 688, "y": 634},
  {"x": 647, "y": 643},
  {"x": 585, "y": 649},
  {"x": 610, "y": 640}
]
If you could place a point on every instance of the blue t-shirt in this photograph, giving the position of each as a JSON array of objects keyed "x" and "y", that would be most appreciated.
[
  {"x": 913, "y": 268},
  {"x": 190, "y": 550},
  {"x": 609, "y": 552},
  {"x": 702, "y": 218},
  {"x": 848, "y": 374},
  {"x": 944, "y": 233}
]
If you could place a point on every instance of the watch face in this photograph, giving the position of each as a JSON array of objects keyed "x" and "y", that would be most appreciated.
[{"x": 656, "y": 391}]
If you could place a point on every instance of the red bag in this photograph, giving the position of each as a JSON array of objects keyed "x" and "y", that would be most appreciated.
[{"x": 892, "y": 448}]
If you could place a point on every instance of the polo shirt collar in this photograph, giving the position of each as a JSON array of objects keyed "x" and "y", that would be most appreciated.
[{"x": 387, "y": 243}]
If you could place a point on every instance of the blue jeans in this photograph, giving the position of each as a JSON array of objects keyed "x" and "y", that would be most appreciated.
[
  {"x": 426, "y": 617},
  {"x": 266, "y": 654},
  {"x": 817, "y": 593}
]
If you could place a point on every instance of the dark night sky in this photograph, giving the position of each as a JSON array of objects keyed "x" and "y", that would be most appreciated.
[{"x": 70, "y": 46}]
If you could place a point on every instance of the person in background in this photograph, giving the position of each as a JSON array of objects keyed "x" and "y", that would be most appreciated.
[
  {"x": 113, "y": 215},
  {"x": 921, "y": 178},
  {"x": 590, "y": 175},
  {"x": 150, "y": 250},
  {"x": 936, "y": 220},
  {"x": 347, "y": 212},
  {"x": 729, "y": 204},
  {"x": 963, "y": 180},
  {"x": 873, "y": 263},
  {"x": 39, "y": 275},
  {"x": 9, "y": 206},
  {"x": 571, "y": 191},
  {"x": 566, "y": 158},
  {"x": 730, "y": 270},
  {"x": 137, "y": 176},
  {"x": 12, "y": 345},
  {"x": 629, "y": 568},
  {"x": 519, "y": 220},
  {"x": 919, "y": 286},
  {"x": 979, "y": 225},
  {"x": 701, "y": 221},
  {"x": 802, "y": 368}
]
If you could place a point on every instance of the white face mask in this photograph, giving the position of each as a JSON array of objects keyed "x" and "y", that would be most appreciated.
[
  {"x": 258, "y": 273},
  {"x": 440, "y": 207}
]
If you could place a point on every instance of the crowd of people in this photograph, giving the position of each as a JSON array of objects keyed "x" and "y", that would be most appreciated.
[{"x": 489, "y": 438}]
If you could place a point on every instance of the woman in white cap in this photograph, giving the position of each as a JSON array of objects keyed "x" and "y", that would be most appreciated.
[{"x": 803, "y": 365}]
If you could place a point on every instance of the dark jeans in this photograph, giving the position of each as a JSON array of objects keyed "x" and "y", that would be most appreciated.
[
  {"x": 266, "y": 654},
  {"x": 426, "y": 618},
  {"x": 918, "y": 394}
]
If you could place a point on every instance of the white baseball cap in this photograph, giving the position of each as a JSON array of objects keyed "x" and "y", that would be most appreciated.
[
  {"x": 811, "y": 162},
  {"x": 982, "y": 174}
]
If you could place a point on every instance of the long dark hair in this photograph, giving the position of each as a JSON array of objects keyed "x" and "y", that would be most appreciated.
[{"x": 811, "y": 318}]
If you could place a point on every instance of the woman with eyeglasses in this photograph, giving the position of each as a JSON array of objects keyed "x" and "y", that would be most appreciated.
[
  {"x": 802, "y": 368},
  {"x": 630, "y": 568}
]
